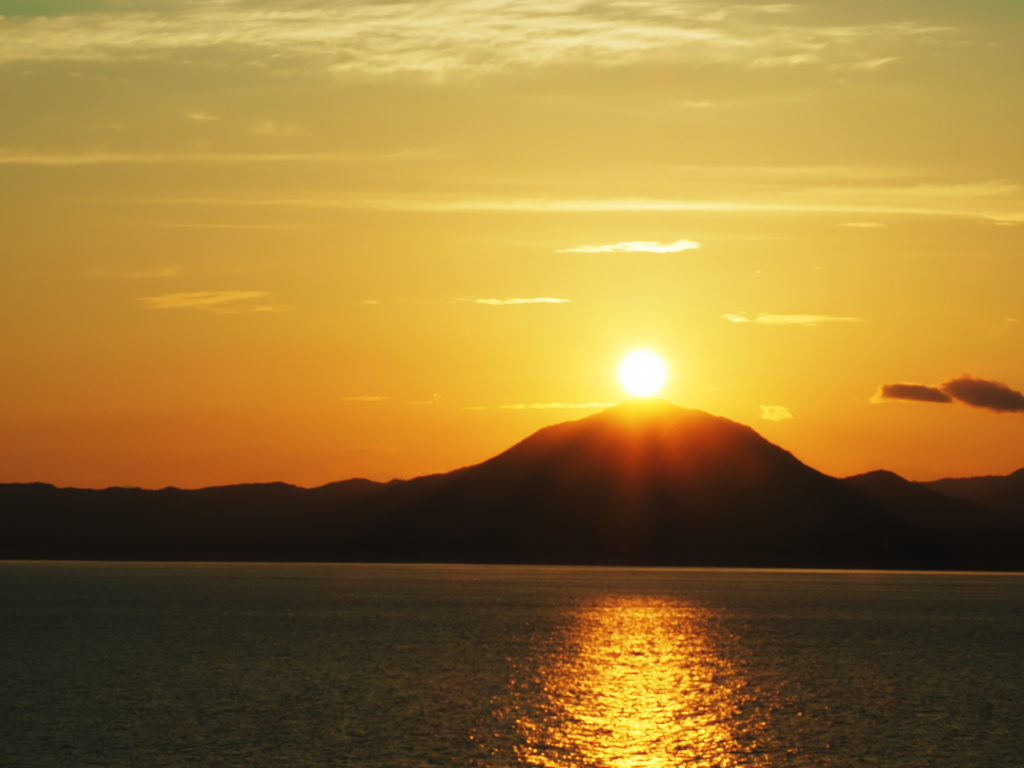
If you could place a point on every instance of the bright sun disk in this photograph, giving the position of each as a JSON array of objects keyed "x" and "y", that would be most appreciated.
[{"x": 643, "y": 373}]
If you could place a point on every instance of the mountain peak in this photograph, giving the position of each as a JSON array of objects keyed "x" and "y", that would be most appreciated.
[
  {"x": 649, "y": 409},
  {"x": 646, "y": 413},
  {"x": 642, "y": 434},
  {"x": 645, "y": 406}
]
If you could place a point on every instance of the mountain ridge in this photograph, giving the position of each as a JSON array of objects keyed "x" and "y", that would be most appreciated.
[{"x": 642, "y": 483}]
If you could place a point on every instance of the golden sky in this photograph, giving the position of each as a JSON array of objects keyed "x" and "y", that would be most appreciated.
[{"x": 244, "y": 241}]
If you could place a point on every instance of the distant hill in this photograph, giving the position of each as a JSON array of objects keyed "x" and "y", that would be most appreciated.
[
  {"x": 993, "y": 491},
  {"x": 922, "y": 504},
  {"x": 265, "y": 521},
  {"x": 979, "y": 534},
  {"x": 642, "y": 483}
]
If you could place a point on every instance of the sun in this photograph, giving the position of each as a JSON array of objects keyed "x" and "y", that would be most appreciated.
[{"x": 642, "y": 373}]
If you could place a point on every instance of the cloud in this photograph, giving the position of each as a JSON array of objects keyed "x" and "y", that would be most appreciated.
[
  {"x": 536, "y": 406},
  {"x": 221, "y": 225},
  {"x": 504, "y": 302},
  {"x": 981, "y": 393},
  {"x": 792, "y": 60},
  {"x": 158, "y": 272},
  {"x": 921, "y": 393},
  {"x": 763, "y": 319},
  {"x": 874, "y": 63},
  {"x": 775, "y": 413},
  {"x": 201, "y": 117},
  {"x": 223, "y": 302},
  {"x": 141, "y": 158},
  {"x": 995, "y": 201},
  {"x": 864, "y": 224},
  {"x": 435, "y": 398},
  {"x": 274, "y": 128},
  {"x": 447, "y": 37},
  {"x": 635, "y": 246},
  {"x": 364, "y": 399}
]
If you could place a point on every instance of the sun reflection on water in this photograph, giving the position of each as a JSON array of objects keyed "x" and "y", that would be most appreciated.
[{"x": 635, "y": 682}]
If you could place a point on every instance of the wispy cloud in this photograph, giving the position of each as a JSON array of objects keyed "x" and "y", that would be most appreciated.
[
  {"x": 223, "y": 225},
  {"x": 790, "y": 60},
  {"x": 874, "y": 63},
  {"x": 364, "y": 398},
  {"x": 503, "y": 302},
  {"x": 223, "y": 302},
  {"x": 155, "y": 158},
  {"x": 980, "y": 393},
  {"x": 274, "y": 128},
  {"x": 140, "y": 274},
  {"x": 635, "y": 246},
  {"x": 864, "y": 224},
  {"x": 460, "y": 36},
  {"x": 996, "y": 201},
  {"x": 775, "y": 413},
  {"x": 771, "y": 173},
  {"x": 435, "y": 398},
  {"x": 536, "y": 406},
  {"x": 763, "y": 319}
]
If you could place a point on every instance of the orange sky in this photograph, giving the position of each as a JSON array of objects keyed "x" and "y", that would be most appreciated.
[{"x": 248, "y": 242}]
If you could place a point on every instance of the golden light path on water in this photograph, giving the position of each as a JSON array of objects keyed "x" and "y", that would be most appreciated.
[{"x": 636, "y": 683}]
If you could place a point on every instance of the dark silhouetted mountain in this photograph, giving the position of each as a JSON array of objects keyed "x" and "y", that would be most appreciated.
[
  {"x": 642, "y": 483},
  {"x": 998, "y": 492},
  {"x": 266, "y": 521},
  {"x": 982, "y": 534},
  {"x": 925, "y": 505}
]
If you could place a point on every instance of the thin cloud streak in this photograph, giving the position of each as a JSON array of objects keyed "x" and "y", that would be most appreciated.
[
  {"x": 635, "y": 246},
  {"x": 810, "y": 320},
  {"x": 763, "y": 173},
  {"x": 222, "y": 225},
  {"x": 536, "y": 406},
  {"x": 507, "y": 302},
  {"x": 141, "y": 274},
  {"x": 461, "y": 36},
  {"x": 874, "y": 63},
  {"x": 792, "y": 60},
  {"x": 222, "y": 302},
  {"x": 127, "y": 158},
  {"x": 998, "y": 202}
]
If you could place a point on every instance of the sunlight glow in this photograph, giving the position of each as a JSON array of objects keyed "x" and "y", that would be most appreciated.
[{"x": 643, "y": 373}]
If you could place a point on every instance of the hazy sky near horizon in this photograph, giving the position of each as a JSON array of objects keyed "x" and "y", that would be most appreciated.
[{"x": 246, "y": 241}]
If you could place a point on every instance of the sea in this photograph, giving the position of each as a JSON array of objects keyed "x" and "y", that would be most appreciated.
[{"x": 404, "y": 666}]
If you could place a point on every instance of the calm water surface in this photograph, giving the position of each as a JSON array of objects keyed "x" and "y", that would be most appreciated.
[{"x": 391, "y": 666}]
